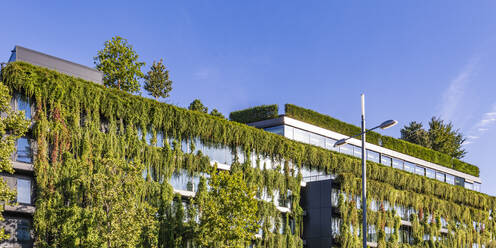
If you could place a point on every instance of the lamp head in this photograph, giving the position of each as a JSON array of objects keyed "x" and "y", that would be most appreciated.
[
  {"x": 340, "y": 142},
  {"x": 388, "y": 124}
]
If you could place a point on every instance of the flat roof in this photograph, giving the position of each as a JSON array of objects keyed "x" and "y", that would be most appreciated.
[{"x": 51, "y": 62}]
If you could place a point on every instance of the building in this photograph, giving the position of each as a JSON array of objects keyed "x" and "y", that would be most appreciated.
[{"x": 308, "y": 190}]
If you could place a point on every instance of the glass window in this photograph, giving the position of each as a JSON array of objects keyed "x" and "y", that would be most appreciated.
[
  {"x": 430, "y": 173},
  {"x": 302, "y": 136},
  {"x": 373, "y": 156},
  {"x": 346, "y": 149},
  {"x": 459, "y": 181},
  {"x": 385, "y": 160},
  {"x": 357, "y": 151},
  {"x": 409, "y": 167},
  {"x": 317, "y": 140},
  {"x": 288, "y": 132},
  {"x": 477, "y": 187},
  {"x": 419, "y": 170},
  {"x": 450, "y": 179},
  {"x": 149, "y": 137},
  {"x": 277, "y": 130},
  {"x": 398, "y": 164},
  {"x": 469, "y": 185},
  {"x": 23, "y": 231},
  {"x": 330, "y": 144},
  {"x": 24, "y": 104},
  {"x": 24, "y": 191},
  {"x": 160, "y": 139},
  {"x": 440, "y": 176},
  {"x": 23, "y": 150}
]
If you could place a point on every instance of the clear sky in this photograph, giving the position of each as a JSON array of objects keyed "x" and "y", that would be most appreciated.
[{"x": 412, "y": 59}]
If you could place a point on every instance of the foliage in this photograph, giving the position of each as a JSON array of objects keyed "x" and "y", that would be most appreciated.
[
  {"x": 440, "y": 137},
  {"x": 157, "y": 81},
  {"x": 216, "y": 113},
  {"x": 254, "y": 114},
  {"x": 416, "y": 134},
  {"x": 12, "y": 126},
  {"x": 398, "y": 145},
  {"x": 445, "y": 139},
  {"x": 79, "y": 124},
  {"x": 119, "y": 64},
  {"x": 197, "y": 105},
  {"x": 228, "y": 211}
]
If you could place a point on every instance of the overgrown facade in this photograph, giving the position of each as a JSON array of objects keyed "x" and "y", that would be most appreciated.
[{"x": 83, "y": 133}]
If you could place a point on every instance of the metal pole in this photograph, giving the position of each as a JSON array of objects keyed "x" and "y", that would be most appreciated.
[{"x": 364, "y": 177}]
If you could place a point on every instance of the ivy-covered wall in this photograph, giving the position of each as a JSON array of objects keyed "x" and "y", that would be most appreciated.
[
  {"x": 86, "y": 133},
  {"x": 398, "y": 145}
]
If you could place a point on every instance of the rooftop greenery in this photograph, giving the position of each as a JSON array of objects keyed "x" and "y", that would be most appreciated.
[
  {"x": 254, "y": 114},
  {"x": 398, "y": 145},
  {"x": 80, "y": 127}
]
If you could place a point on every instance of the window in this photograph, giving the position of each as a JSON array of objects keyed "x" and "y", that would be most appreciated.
[
  {"x": 22, "y": 103},
  {"x": 24, "y": 191},
  {"x": 23, "y": 151},
  {"x": 469, "y": 185},
  {"x": 430, "y": 173},
  {"x": 288, "y": 132},
  {"x": 477, "y": 187},
  {"x": 440, "y": 176},
  {"x": 23, "y": 233},
  {"x": 373, "y": 156},
  {"x": 302, "y": 136},
  {"x": 409, "y": 167},
  {"x": 459, "y": 181},
  {"x": 357, "y": 151},
  {"x": 277, "y": 130},
  {"x": 450, "y": 179},
  {"x": 398, "y": 164},
  {"x": 317, "y": 140},
  {"x": 385, "y": 160},
  {"x": 330, "y": 144},
  {"x": 346, "y": 149},
  {"x": 419, "y": 170}
]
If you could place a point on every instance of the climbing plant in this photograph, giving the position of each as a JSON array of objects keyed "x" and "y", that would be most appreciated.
[{"x": 81, "y": 127}]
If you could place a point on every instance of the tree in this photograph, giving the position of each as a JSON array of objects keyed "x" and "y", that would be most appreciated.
[
  {"x": 12, "y": 126},
  {"x": 119, "y": 64},
  {"x": 445, "y": 139},
  {"x": 157, "y": 81},
  {"x": 227, "y": 211},
  {"x": 416, "y": 134},
  {"x": 440, "y": 137},
  {"x": 216, "y": 112},
  {"x": 197, "y": 105}
]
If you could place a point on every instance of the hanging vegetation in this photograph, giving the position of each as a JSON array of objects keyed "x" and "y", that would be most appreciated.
[{"x": 87, "y": 134}]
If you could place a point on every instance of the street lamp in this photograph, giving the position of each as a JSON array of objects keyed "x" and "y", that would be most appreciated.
[{"x": 384, "y": 125}]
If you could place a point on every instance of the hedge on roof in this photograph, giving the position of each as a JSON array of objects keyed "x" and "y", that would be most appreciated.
[
  {"x": 258, "y": 113},
  {"x": 78, "y": 124},
  {"x": 398, "y": 145}
]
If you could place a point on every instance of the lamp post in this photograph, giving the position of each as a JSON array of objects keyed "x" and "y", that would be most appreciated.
[{"x": 384, "y": 125}]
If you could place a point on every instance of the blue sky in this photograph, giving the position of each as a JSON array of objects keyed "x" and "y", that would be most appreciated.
[{"x": 412, "y": 59}]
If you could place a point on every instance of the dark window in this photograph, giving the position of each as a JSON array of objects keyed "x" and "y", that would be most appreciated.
[
  {"x": 277, "y": 130},
  {"x": 23, "y": 232},
  {"x": 460, "y": 181}
]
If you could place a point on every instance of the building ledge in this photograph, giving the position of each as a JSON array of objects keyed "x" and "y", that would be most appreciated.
[
  {"x": 19, "y": 208},
  {"x": 19, "y": 166}
]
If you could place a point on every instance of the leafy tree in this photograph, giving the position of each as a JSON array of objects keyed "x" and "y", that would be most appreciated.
[
  {"x": 157, "y": 81},
  {"x": 441, "y": 137},
  {"x": 415, "y": 133},
  {"x": 227, "y": 211},
  {"x": 119, "y": 64},
  {"x": 197, "y": 105},
  {"x": 445, "y": 139},
  {"x": 12, "y": 126},
  {"x": 216, "y": 112}
]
